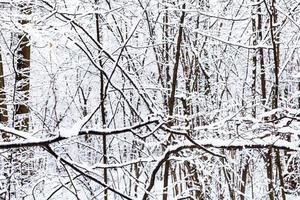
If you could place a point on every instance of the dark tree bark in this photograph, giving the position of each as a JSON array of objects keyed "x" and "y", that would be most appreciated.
[
  {"x": 22, "y": 77},
  {"x": 102, "y": 106},
  {"x": 3, "y": 106},
  {"x": 171, "y": 100}
]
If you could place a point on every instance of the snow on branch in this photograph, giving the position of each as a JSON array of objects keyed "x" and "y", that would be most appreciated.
[{"x": 75, "y": 130}]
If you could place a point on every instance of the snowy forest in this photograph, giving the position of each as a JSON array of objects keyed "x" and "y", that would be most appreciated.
[{"x": 150, "y": 99}]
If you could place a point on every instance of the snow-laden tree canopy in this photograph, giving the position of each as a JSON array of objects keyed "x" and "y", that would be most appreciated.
[{"x": 150, "y": 99}]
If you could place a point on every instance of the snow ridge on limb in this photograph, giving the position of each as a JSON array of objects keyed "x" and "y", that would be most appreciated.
[
  {"x": 76, "y": 128},
  {"x": 22, "y": 134},
  {"x": 72, "y": 132}
]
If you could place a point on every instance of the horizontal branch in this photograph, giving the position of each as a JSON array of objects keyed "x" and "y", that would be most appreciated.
[
  {"x": 235, "y": 143},
  {"x": 31, "y": 141}
]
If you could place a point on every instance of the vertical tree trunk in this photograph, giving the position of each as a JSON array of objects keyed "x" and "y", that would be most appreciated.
[
  {"x": 244, "y": 179},
  {"x": 299, "y": 97},
  {"x": 270, "y": 173},
  {"x": 254, "y": 64},
  {"x": 165, "y": 55},
  {"x": 275, "y": 91},
  {"x": 261, "y": 56},
  {"x": 255, "y": 22},
  {"x": 166, "y": 49},
  {"x": 21, "y": 98},
  {"x": 103, "y": 109},
  {"x": 171, "y": 100},
  {"x": 4, "y": 120},
  {"x": 22, "y": 77},
  {"x": 3, "y": 106}
]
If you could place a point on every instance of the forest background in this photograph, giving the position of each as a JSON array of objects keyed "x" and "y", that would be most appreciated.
[{"x": 149, "y": 99}]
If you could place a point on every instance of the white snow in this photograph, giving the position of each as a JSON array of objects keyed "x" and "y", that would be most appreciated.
[{"x": 75, "y": 129}]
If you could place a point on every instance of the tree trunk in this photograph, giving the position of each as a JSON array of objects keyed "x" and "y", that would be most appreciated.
[
  {"x": 22, "y": 77},
  {"x": 3, "y": 106},
  {"x": 103, "y": 109},
  {"x": 21, "y": 98},
  {"x": 171, "y": 100},
  {"x": 275, "y": 92}
]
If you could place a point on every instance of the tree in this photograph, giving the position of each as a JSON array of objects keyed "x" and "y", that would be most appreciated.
[
  {"x": 3, "y": 106},
  {"x": 161, "y": 99}
]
